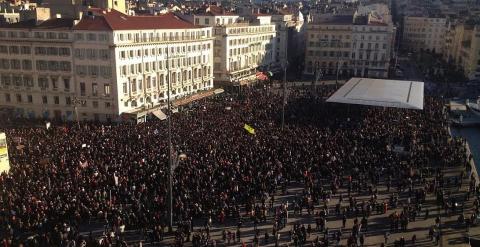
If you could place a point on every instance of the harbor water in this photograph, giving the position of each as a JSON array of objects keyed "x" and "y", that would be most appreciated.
[{"x": 472, "y": 135}]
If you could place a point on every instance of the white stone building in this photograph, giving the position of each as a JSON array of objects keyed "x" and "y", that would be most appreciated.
[
  {"x": 372, "y": 44},
  {"x": 105, "y": 65},
  {"x": 243, "y": 46}
]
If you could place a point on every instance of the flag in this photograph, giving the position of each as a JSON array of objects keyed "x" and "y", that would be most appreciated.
[
  {"x": 47, "y": 125},
  {"x": 249, "y": 129},
  {"x": 115, "y": 178}
]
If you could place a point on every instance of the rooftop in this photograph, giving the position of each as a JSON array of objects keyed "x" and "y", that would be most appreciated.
[
  {"x": 335, "y": 20},
  {"x": 214, "y": 10},
  {"x": 101, "y": 20},
  {"x": 51, "y": 24}
]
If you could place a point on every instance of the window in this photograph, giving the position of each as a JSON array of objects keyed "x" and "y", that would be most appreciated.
[
  {"x": 26, "y": 65},
  {"x": 66, "y": 84},
  {"x": 107, "y": 105},
  {"x": 93, "y": 71},
  {"x": 105, "y": 71},
  {"x": 14, "y": 50},
  {"x": 29, "y": 98},
  {"x": 79, "y": 36},
  {"x": 3, "y": 49},
  {"x": 19, "y": 98},
  {"x": 106, "y": 89},
  {"x": 82, "y": 88},
  {"x": 28, "y": 81},
  {"x": 103, "y": 54},
  {"x": 25, "y": 50},
  {"x": 125, "y": 88},
  {"x": 207, "y": 21},
  {"x": 80, "y": 53},
  {"x": 56, "y": 100},
  {"x": 94, "y": 89},
  {"x": 64, "y": 51},
  {"x": 95, "y": 104},
  {"x": 44, "y": 99},
  {"x": 63, "y": 35},
  {"x": 15, "y": 64},
  {"x": 81, "y": 70},
  {"x": 39, "y": 35},
  {"x": 17, "y": 80},
  {"x": 102, "y": 37},
  {"x": 42, "y": 82},
  {"x": 91, "y": 37},
  {"x": 41, "y": 65},
  {"x": 54, "y": 83},
  {"x": 133, "y": 87},
  {"x": 68, "y": 100},
  {"x": 91, "y": 54},
  {"x": 52, "y": 65},
  {"x": 51, "y": 35},
  {"x": 7, "y": 97}
]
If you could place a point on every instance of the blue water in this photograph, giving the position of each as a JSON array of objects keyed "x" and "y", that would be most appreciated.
[{"x": 473, "y": 138}]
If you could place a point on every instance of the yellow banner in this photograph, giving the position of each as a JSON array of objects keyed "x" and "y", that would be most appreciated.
[
  {"x": 249, "y": 129},
  {"x": 4, "y": 162}
]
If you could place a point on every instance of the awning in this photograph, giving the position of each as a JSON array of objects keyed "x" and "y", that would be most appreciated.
[
  {"x": 159, "y": 114},
  {"x": 261, "y": 76},
  {"x": 379, "y": 92}
]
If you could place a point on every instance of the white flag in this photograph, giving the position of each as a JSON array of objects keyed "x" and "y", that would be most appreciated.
[
  {"x": 47, "y": 125},
  {"x": 116, "y": 179}
]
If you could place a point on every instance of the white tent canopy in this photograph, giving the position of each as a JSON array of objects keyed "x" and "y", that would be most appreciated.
[{"x": 380, "y": 92}]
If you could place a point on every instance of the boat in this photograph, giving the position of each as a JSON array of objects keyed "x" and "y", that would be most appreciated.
[{"x": 474, "y": 107}]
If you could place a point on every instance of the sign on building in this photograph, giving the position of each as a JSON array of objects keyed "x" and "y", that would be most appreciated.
[{"x": 4, "y": 162}]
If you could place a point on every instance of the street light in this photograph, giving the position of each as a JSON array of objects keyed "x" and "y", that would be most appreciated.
[
  {"x": 285, "y": 64},
  {"x": 170, "y": 154}
]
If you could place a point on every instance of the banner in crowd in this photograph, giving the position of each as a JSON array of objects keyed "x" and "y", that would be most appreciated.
[
  {"x": 4, "y": 161},
  {"x": 249, "y": 129}
]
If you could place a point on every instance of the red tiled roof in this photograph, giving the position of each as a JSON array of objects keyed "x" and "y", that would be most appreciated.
[{"x": 114, "y": 20}]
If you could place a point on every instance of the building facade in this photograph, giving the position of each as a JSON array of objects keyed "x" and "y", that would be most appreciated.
[
  {"x": 105, "y": 65},
  {"x": 37, "y": 69},
  {"x": 424, "y": 33},
  {"x": 291, "y": 31},
  {"x": 329, "y": 45},
  {"x": 372, "y": 44},
  {"x": 243, "y": 46},
  {"x": 463, "y": 47}
]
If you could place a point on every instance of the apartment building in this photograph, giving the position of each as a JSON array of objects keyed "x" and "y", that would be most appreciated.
[
  {"x": 372, "y": 44},
  {"x": 290, "y": 33},
  {"x": 329, "y": 45},
  {"x": 424, "y": 33},
  {"x": 105, "y": 65},
  {"x": 350, "y": 45},
  {"x": 462, "y": 46},
  {"x": 244, "y": 46}
]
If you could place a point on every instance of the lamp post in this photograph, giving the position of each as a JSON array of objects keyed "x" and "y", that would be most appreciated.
[
  {"x": 285, "y": 64},
  {"x": 170, "y": 154}
]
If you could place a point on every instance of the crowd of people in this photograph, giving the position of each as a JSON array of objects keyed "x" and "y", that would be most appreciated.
[{"x": 65, "y": 178}]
